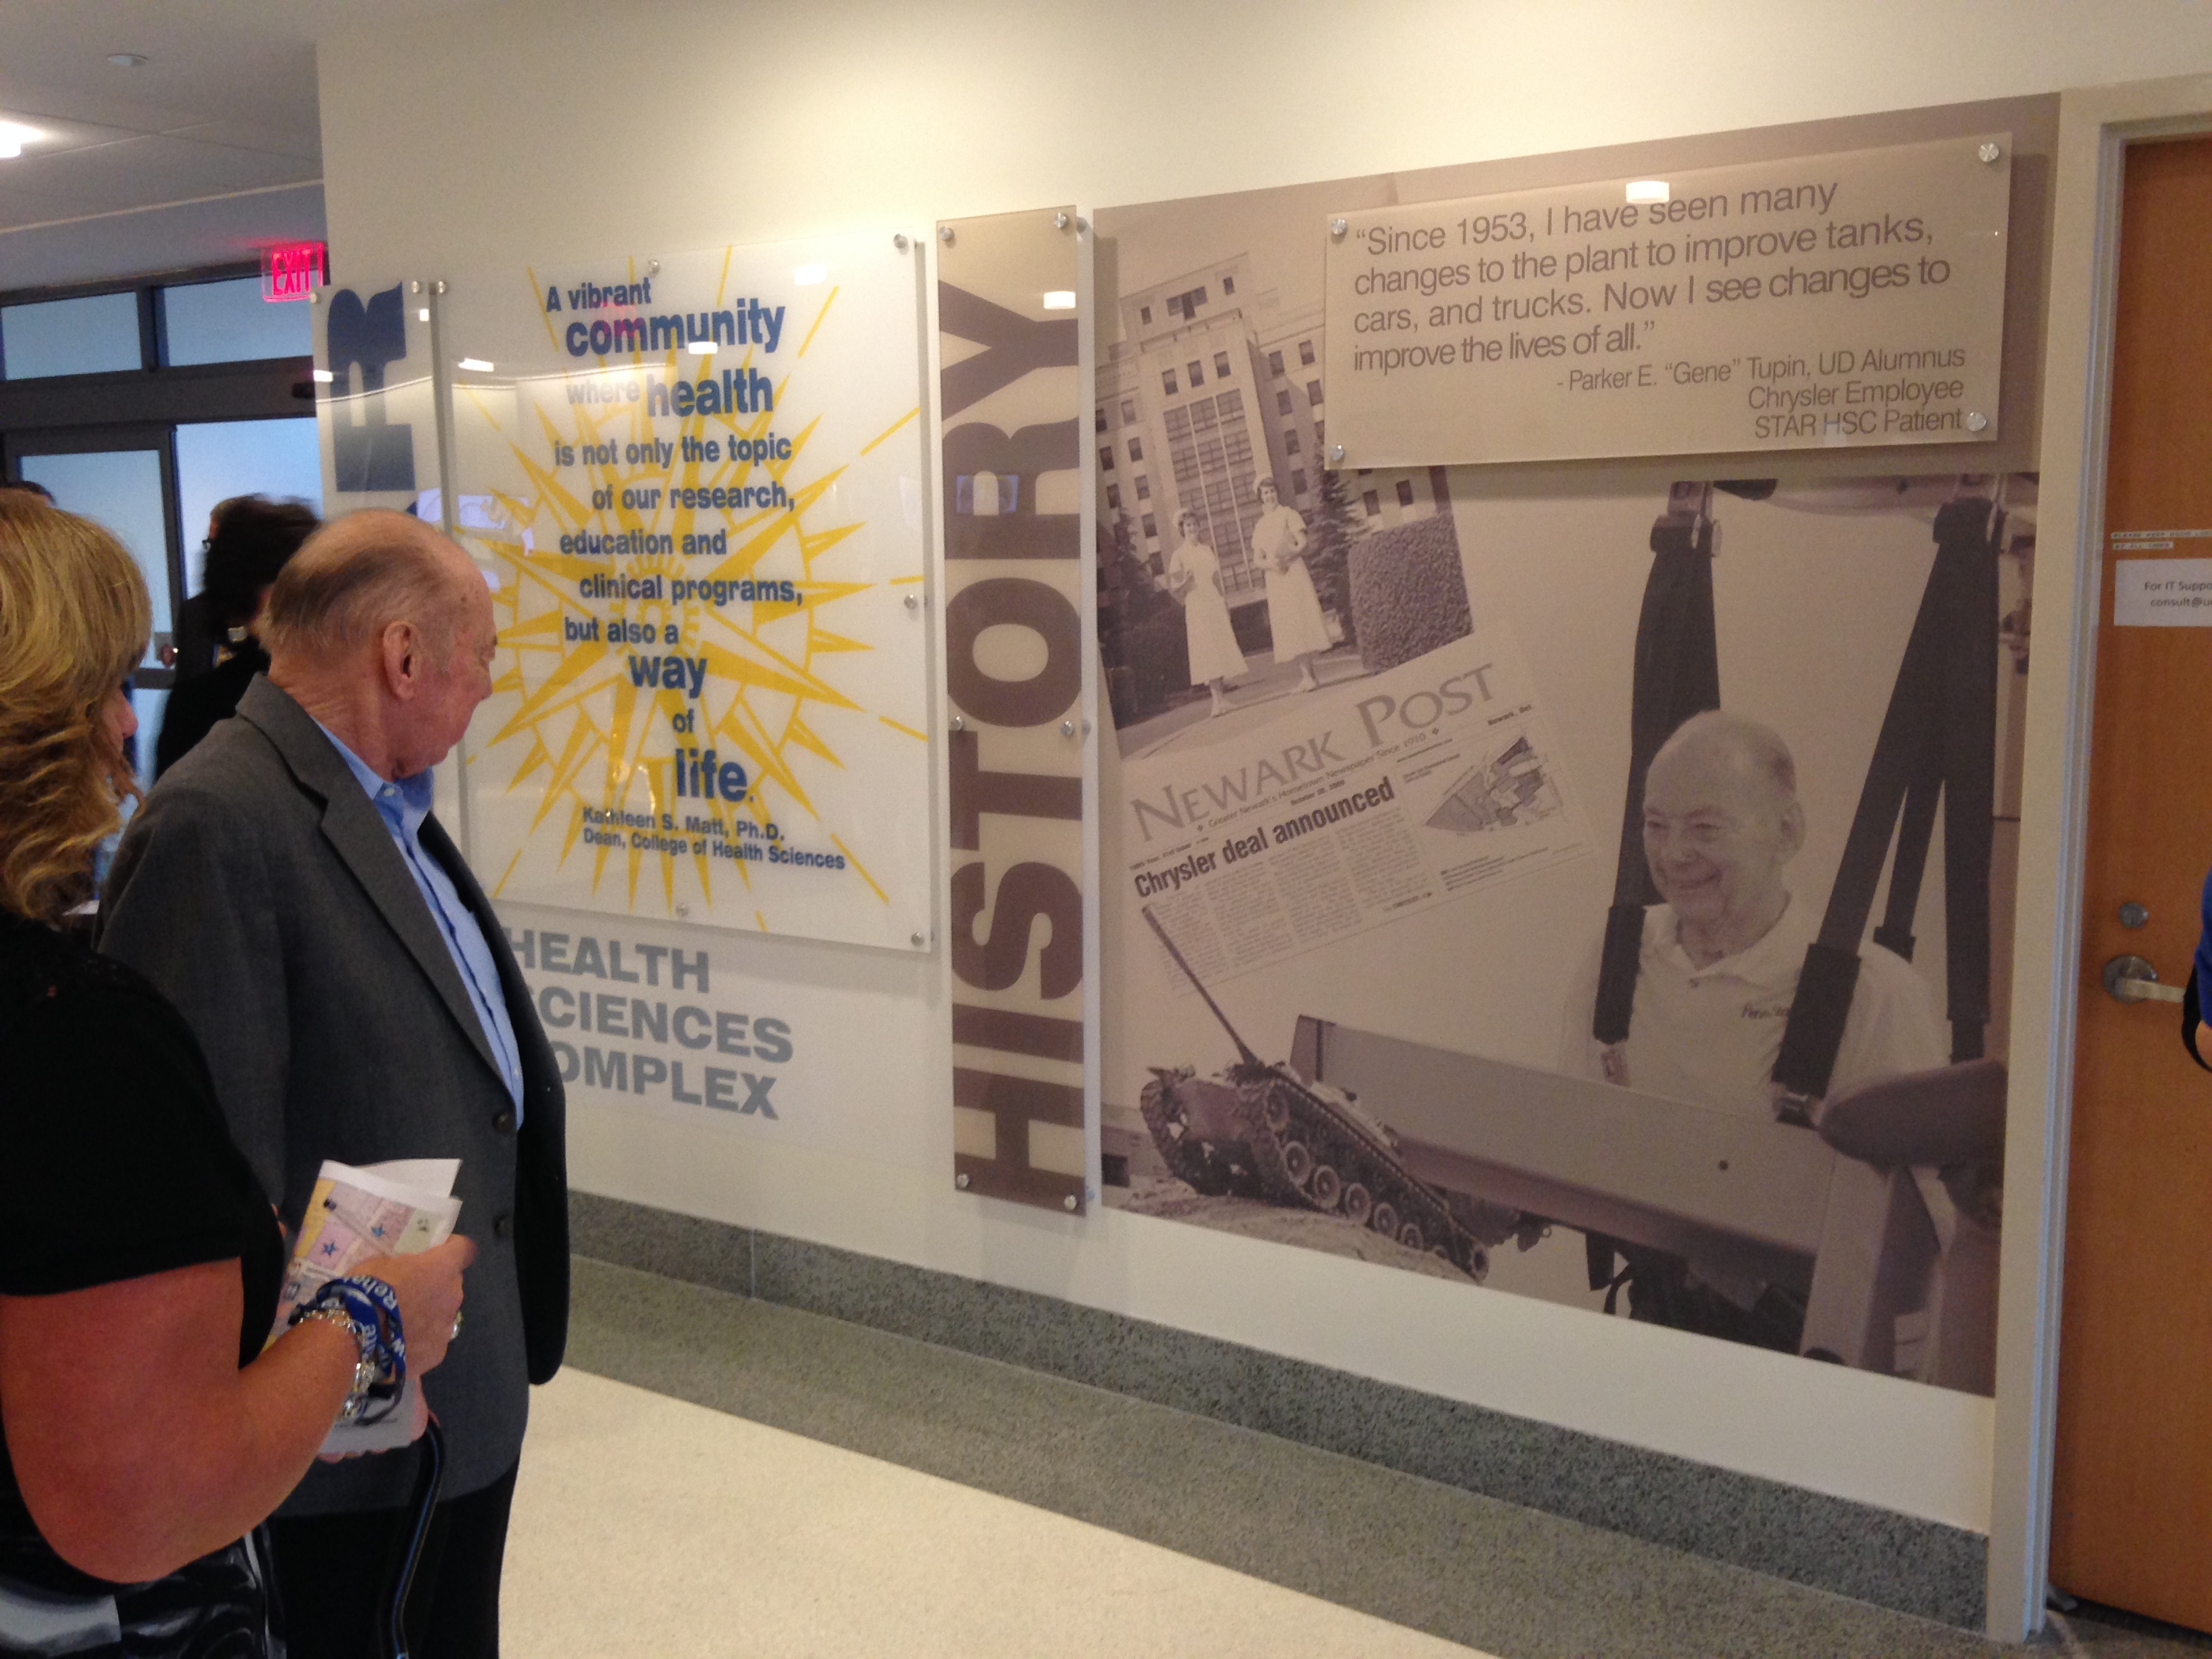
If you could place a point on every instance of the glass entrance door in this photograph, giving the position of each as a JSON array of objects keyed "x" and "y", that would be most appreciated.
[{"x": 125, "y": 479}]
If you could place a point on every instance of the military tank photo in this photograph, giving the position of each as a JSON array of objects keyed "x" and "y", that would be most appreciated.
[{"x": 1262, "y": 1132}]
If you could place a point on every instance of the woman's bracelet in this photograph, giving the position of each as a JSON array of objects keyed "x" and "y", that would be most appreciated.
[
  {"x": 364, "y": 1370},
  {"x": 370, "y": 1310}
]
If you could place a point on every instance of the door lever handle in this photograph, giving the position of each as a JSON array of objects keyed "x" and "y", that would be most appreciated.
[{"x": 2130, "y": 979}]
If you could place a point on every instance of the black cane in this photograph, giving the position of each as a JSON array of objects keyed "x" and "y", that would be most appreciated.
[{"x": 427, "y": 1479}]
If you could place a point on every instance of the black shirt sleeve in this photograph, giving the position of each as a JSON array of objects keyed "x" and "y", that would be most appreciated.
[{"x": 114, "y": 1162}]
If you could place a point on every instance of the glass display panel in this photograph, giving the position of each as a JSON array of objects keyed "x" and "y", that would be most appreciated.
[
  {"x": 94, "y": 335},
  {"x": 696, "y": 485}
]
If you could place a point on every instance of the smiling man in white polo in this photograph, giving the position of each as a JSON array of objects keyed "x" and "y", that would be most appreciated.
[{"x": 1716, "y": 976}]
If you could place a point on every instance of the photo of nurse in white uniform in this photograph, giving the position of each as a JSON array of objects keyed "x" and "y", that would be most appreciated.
[
  {"x": 1193, "y": 575},
  {"x": 1294, "y": 614}
]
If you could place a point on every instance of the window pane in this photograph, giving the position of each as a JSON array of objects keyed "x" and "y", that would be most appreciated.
[
  {"x": 217, "y": 460},
  {"x": 1221, "y": 365},
  {"x": 120, "y": 489},
  {"x": 230, "y": 322},
  {"x": 1136, "y": 449},
  {"x": 1405, "y": 492},
  {"x": 94, "y": 335},
  {"x": 1197, "y": 372}
]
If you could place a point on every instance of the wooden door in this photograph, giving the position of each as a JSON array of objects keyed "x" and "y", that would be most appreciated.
[{"x": 2132, "y": 1520}]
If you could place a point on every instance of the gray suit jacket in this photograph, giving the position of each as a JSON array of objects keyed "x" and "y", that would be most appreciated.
[{"x": 258, "y": 889}]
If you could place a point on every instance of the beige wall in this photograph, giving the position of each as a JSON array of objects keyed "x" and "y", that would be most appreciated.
[{"x": 537, "y": 129}]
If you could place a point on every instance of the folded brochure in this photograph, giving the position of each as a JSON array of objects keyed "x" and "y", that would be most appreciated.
[{"x": 354, "y": 1216}]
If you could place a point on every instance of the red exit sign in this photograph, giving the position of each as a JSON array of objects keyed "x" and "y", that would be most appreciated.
[{"x": 293, "y": 270}]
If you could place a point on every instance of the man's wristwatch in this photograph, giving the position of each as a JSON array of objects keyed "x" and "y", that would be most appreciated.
[{"x": 365, "y": 1367}]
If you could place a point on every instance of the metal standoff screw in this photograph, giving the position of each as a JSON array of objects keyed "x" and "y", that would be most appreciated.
[
  {"x": 961, "y": 1180},
  {"x": 900, "y": 242},
  {"x": 1082, "y": 225},
  {"x": 1989, "y": 152},
  {"x": 1067, "y": 1203},
  {"x": 414, "y": 288},
  {"x": 913, "y": 603},
  {"x": 945, "y": 232},
  {"x": 959, "y": 722},
  {"x": 683, "y": 912},
  {"x": 1060, "y": 221},
  {"x": 1338, "y": 227},
  {"x": 1067, "y": 728},
  {"x": 918, "y": 940},
  {"x": 1086, "y": 726},
  {"x": 1977, "y": 422},
  {"x": 2133, "y": 915},
  {"x": 438, "y": 287},
  {"x": 652, "y": 267},
  {"x": 1336, "y": 452}
]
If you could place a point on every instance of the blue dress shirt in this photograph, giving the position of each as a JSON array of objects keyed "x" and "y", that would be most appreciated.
[{"x": 403, "y": 806}]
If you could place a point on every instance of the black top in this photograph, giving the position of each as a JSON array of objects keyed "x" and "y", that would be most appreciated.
[
  {"x": 198, "y": 703},
  {"x": 114, "y": 1162}
]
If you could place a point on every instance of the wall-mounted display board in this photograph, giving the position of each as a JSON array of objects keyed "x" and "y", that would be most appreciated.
[
  {"x": 697, "y": 484},
  {"x": 1019, "y": 656},
  {"x": 1534, "y": 879},
  {"x": 376, "y": 407},
  {"x": 1853, "y": 300}
]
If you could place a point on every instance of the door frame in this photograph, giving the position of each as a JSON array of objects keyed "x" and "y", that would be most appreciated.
[
  {"x": 24, "y": 444},
  {"x": 2095, "y": 127}
]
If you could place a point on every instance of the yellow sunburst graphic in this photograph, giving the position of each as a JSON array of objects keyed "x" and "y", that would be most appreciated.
[{"x": 668, "y": 663}]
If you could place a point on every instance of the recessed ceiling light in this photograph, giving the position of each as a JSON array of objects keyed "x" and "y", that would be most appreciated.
[
  {"x": 126, "y": 60},
  {"x": 14, "y": 136}
]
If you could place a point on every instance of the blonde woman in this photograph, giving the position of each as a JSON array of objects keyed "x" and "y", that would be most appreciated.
[
  {"x": 1194, "y": 579},
  {"x": 1294, "y": 616},
  {"x": 147, "y": 1432}
]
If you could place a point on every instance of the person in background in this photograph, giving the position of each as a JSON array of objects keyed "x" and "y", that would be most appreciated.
[
  {"x": 251, "y": 538},
  {"x": 288, "y": 885},
  {"x": 29, "y": 487},
  {"x": 147, "y": 1432},
  {"x": 200, "y": 634},
  {"x": 1193, "y": 575}
]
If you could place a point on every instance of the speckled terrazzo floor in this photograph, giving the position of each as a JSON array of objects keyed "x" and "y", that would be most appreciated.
[{"x": 774, "y": 1546}]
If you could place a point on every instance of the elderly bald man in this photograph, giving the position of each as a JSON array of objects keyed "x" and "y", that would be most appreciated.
[
  {"x": 287, "y": 887},
  {"x": 1716, "y": 976}
]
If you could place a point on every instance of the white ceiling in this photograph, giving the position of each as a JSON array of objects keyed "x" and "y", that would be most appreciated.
[{"x": 222, "y": 114}]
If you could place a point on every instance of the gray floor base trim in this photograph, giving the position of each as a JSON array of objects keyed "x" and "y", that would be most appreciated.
[{"x": 1873, "y": 1555}]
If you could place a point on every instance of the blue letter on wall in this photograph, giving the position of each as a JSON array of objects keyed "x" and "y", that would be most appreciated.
[{"x": 373, "y": 455}]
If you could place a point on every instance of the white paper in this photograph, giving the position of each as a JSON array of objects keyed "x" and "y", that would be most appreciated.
[
  {"x": 2163, "y": 592},
  {"x": 355, "y": 1215}
]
